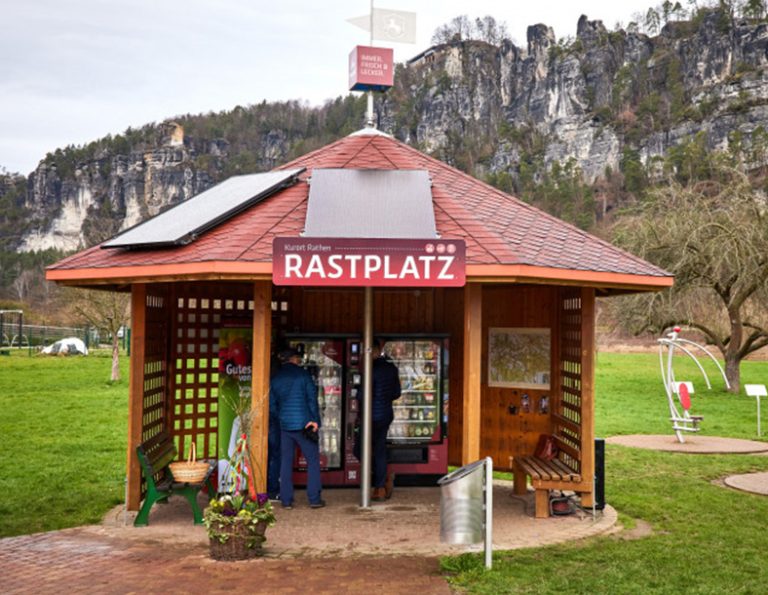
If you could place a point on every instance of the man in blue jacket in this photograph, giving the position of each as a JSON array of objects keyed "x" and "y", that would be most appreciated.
[
  {"x": 386, "y": 388},
  {"x": 293, "y": 398}
]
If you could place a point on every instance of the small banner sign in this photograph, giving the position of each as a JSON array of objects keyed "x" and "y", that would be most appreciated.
[
  {"x": 371, "y": 69},
  {"x": 389, "y": 25},
  {"x": 361, "y": 262}
]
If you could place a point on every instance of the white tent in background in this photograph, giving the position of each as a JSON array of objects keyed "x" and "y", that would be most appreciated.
[{"x": 66, "y": 346}]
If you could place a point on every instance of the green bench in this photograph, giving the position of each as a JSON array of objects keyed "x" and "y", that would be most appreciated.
[{"x": 154, "y": 456}]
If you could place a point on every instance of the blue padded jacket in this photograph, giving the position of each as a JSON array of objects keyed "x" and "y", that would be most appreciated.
[{"x": 293, "y": 398}]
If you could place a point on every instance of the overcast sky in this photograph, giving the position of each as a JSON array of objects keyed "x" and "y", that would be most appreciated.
[{"x": 72, "y": 71}]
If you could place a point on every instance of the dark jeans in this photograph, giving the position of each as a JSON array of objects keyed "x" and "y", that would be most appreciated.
[
  {"x": 379, "y": 448},
  {"x": 311, "y": 451},
  {"x": 273, "y": 459}
]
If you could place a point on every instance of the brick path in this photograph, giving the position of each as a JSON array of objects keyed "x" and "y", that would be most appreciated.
[{"x": 83, "y": 561}]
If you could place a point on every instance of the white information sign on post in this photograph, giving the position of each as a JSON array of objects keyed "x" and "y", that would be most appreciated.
[{"x": 757, "y": 391}]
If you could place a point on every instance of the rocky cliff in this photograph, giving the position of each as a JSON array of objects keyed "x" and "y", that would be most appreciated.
[
  {"x": 600, "y": 103},
  {"x": 591, "y": 98},
  {"x": 102, "y": 196}
]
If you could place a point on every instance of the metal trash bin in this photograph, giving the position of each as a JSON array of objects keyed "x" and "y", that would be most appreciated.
[{"x": 462, "y": 513}]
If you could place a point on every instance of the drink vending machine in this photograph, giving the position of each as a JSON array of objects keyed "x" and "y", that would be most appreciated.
[{"x": 417, "y": 440}]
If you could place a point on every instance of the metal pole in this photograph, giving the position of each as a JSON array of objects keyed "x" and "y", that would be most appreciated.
[
  {"x": 758, "y": 415},
  {"x": 369, "y": 110},
  {"x": 594, "y": 492},
  {"x": 488, "y": 512},
  {"x": 365, "y": 435}
]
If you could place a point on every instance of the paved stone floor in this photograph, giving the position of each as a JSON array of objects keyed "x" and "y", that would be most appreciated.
[
  {"x": 391, "y": 548},
  {"x": 757, "y": 483},
  {"x": 694, "y": 443}
]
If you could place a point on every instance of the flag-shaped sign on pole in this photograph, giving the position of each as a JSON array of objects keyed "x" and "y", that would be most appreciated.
[{"x": 397, "y": 26}]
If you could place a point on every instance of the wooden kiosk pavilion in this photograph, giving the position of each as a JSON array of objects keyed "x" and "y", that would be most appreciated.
[{"x": 524, "y": 269}]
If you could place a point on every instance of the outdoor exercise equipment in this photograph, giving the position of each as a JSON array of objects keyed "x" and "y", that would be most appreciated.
[{"x": 682, "y": 421}]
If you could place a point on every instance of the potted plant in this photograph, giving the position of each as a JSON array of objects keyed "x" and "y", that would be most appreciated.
[
  {"x": 237, "y": 519},
  {"x": 236, "y": 525}
]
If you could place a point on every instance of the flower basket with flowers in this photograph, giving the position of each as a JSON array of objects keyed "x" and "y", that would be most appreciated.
[{"x": 236, "y": 525}]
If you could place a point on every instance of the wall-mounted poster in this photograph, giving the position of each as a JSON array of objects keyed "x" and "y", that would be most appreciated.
[{"x": 519, "y": 357}]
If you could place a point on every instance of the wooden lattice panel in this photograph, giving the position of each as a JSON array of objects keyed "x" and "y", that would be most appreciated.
[
  {"x": 567, "y": 415},
  {"x": 154, "y": 406},
  {"x": 199, "y": 312}
]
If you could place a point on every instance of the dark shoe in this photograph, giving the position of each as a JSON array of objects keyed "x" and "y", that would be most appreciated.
[
  {"x": 320, "y": 504},
  {"x": 288, "y": 506},
  {"x": 389, "y": 486},
  {"x": 379, "y": 494}
]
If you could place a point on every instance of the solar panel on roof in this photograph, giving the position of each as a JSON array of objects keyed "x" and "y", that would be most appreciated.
[
  {"x": 182, "y": 223},
  {"x": 370, "y": 203}
]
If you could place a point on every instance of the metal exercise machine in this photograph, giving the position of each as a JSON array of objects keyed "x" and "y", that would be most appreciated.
[{"x": 679, "y": 393}]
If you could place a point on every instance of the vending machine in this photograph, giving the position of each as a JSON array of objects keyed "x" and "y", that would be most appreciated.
[
  {"x": 327, "y": 360},
  {"x": 417, "y": 440}
]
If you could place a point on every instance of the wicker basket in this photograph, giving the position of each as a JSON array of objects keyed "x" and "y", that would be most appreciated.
[
  {"x": 191, "y": 470},
  {"x": 235, "y": 547}
]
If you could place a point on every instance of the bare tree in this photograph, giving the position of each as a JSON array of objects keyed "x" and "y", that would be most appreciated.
[
  {"x": 461, "y": 28},
  {"x": 22, "y": 284},
  {"x": 652, "y": 21},
  {"x": 107, "y": 311},
  {"x": 713, "y": 235},
  {"x": 490, "y": 30}
]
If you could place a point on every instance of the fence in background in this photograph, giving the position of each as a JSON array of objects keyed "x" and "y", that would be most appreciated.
[
  {"x": 35, "y": 336},
  {"x": 17, "y": 334}
]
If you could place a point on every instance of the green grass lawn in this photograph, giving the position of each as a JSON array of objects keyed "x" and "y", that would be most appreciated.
[
  {"x": 63, "y": 432},
  {"x": 705, "y": 538}
]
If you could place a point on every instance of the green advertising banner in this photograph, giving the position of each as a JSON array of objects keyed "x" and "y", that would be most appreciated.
[{"x": 234, "y": 381}]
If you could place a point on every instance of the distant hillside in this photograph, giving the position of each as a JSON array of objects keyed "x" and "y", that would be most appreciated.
[{"x": 575, "y": 126}]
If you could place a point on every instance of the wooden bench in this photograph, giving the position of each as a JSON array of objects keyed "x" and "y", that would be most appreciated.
[
  {"x": 154, "y": 456},
  {"x": 545, "y": 476}
]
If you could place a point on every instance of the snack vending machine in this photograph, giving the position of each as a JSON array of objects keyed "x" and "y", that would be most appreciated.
[{"x": 417, "y": 441}]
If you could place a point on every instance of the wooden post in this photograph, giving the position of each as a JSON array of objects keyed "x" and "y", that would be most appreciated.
[
  {"x": 473, "y": 307},
  {"x": 261, "y": 359},
  {"x": 136, "y": 393},
  {"x": 587, "y": 391}
]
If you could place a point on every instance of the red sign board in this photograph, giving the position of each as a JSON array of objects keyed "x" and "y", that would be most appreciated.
[
  {"x": 371, "y": 69},
  {"x": 349, "y": 262}
]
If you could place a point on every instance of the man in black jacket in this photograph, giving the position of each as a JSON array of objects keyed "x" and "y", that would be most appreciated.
[{"x": 386, "y": 388}]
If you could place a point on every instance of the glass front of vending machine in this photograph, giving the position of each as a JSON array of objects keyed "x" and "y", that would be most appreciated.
[
  {"x": 324, "y": 359},
  {"x": 417, "y": 438}
]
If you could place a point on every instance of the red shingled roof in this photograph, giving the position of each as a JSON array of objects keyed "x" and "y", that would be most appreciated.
[{"x": 498, "y": 229}]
